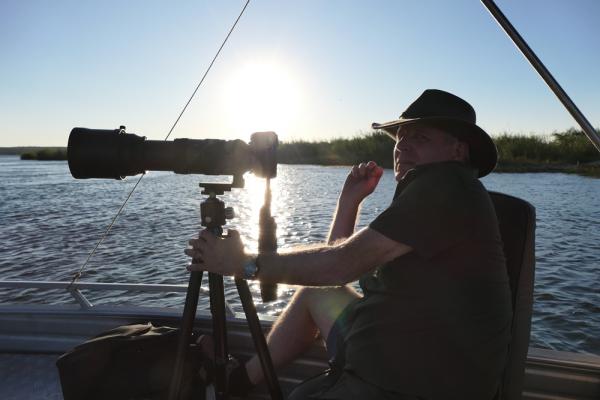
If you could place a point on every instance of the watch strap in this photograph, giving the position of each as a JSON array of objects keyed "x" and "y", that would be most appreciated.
[{"x": 251, "y": 268}]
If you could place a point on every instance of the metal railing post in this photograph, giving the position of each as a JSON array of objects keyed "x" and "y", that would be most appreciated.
[{"x": 510, "y": 30}]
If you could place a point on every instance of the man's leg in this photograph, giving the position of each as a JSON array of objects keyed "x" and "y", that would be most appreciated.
[{"x": 311, "y": 311}]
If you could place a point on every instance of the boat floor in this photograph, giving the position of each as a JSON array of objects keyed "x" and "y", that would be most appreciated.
[
  {"x": 35, "y": 376},
  {"x": 29, "y": 376}
]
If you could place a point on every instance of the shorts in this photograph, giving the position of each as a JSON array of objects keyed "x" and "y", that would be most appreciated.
[
  {"x": 342, "y": 385},
  {"x": 337, "y": 383},
  {"x": 340, "y": 328}
]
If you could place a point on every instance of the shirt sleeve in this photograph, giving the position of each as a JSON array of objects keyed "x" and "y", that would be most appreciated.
[{"x": 429, "y": 215}]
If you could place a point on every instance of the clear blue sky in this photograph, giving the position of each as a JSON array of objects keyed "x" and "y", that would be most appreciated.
[{"x": 308, "y": 69}]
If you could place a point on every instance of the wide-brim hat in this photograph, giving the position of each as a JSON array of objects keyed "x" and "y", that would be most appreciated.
[{"x": 454, "y": 116}]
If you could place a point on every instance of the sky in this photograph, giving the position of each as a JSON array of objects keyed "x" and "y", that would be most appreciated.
[{"x": 310, "y": 70}]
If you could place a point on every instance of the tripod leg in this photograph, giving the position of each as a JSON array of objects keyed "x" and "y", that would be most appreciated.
[
  {"x": 185, "y": 334},
  {"x": 259, "y": 339},
  {"x": 217, "y": 309}
]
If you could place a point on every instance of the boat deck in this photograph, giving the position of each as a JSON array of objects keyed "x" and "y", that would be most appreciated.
[
  {"x": 35, "y": 377},
  {"x": 29, "y": 376}
]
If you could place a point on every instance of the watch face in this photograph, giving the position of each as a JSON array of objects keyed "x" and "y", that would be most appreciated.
[{"x": 250, "y": 270}]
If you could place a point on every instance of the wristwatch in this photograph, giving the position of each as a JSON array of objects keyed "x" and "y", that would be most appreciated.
[{"x": 251, "y": 268}]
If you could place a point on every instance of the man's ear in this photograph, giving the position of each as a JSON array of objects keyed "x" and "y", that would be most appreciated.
[{"x": 461, "y": 151}]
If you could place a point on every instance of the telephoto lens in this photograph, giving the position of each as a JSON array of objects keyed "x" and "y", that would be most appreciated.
[{"x": 114, "y": 154}]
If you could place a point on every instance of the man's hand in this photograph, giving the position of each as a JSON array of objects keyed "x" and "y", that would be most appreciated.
[
  {"x": 361, "y": 182},
  {"x": 221, "y": 255}
]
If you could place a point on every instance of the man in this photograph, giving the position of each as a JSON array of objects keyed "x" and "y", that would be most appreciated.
[{"x": 434, "y": 320}]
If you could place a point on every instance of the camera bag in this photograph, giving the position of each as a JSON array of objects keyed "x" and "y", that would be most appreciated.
[{"x": 131, "y": 362}]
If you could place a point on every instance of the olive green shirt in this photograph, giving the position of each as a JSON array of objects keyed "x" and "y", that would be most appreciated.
[{"x": 435, "y": 323}]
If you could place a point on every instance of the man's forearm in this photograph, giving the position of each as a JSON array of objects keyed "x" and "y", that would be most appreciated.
[
  {"x": 320, "y": 265},
  {"x": 344, "y": 220},
  {"x": 332, "y": 265},
  {"x": 316, "y": 266}
]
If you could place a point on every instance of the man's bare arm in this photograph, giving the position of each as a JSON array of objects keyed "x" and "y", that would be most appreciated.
[
  {"x": 360, "y": 182},
  {"x": 344, "y": 220},
  {"x": 332, "y": 265}
]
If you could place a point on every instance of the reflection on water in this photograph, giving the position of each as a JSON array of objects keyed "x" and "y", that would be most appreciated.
[{"x": 50, "y": 222}]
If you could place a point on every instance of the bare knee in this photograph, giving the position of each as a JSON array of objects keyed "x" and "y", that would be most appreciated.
[
  {"x": 306, "y": 294},
  {"x": 325, "y": 304},
  {"x": 314, "y": 294}
]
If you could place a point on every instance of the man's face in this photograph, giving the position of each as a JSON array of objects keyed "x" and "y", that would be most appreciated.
[{"x": 418, "y": 145}]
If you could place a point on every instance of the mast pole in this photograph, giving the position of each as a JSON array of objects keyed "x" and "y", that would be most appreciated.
[{"x": 510, "y": 30}]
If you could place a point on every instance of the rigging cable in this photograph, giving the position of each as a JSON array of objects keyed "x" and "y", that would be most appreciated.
[{"x": 78, "y": 274}]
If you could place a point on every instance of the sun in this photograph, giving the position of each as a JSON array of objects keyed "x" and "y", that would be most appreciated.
[{"x": 263, "y": 96}]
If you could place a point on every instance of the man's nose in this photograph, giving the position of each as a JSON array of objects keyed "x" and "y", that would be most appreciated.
[{"x": 402, "y": 144}]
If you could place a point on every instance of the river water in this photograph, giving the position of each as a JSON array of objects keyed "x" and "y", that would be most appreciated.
[{"x": 49, "y": 222}]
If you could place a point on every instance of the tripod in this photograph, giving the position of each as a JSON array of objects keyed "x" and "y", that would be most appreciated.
[{"x": 213, "y": 214}]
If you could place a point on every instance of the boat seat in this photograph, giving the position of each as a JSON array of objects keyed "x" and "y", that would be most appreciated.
[{"x": 516, "y": 218}]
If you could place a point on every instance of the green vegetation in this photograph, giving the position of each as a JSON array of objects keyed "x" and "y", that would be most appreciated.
[
  {"x": 569, "y": 152},
  {"x": 570, "y": 147},
  {"x": 374, "y": 146},
  {"x": 46, "y": 154},
  {"x": 15, "y": 151}
]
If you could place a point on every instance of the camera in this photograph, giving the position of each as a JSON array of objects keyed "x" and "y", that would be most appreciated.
[{"x": 115, "y": 154}]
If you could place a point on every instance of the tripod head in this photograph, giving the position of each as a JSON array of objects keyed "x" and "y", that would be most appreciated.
[{"x": 213, "y": 212}]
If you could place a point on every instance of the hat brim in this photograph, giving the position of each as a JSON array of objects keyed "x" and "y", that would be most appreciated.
[{"x": 482, "y": 150}]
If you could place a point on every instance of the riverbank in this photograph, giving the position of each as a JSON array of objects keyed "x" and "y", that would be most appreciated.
[
  {"x": 566, "y": 152},
  {"x": 585, "y": 169},
  {"x": 46, "y": 154}
]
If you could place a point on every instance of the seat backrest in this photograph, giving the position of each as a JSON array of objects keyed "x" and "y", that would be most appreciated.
[{"x": 516, "y": 218}]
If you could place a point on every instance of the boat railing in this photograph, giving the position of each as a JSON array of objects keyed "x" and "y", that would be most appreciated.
[{"x": 74, "y": 289}]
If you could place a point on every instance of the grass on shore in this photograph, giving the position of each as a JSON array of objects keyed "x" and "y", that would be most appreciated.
[
  {"x": 570, "y": 147},
  {"x": 569, "y": 152},
  {"x": 46, "y": 154}
]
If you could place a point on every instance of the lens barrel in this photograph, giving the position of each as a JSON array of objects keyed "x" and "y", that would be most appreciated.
[
  {"x": 103, "y": 153},
  {"x": 114, "y": 154}
]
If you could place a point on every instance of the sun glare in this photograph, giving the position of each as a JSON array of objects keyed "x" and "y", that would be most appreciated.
[{"x": 262, "y": 96}]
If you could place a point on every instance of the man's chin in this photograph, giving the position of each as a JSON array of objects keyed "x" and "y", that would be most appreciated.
[
  {"x": 400, "y": 175},
  {"x": 402, "y": 170}
]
